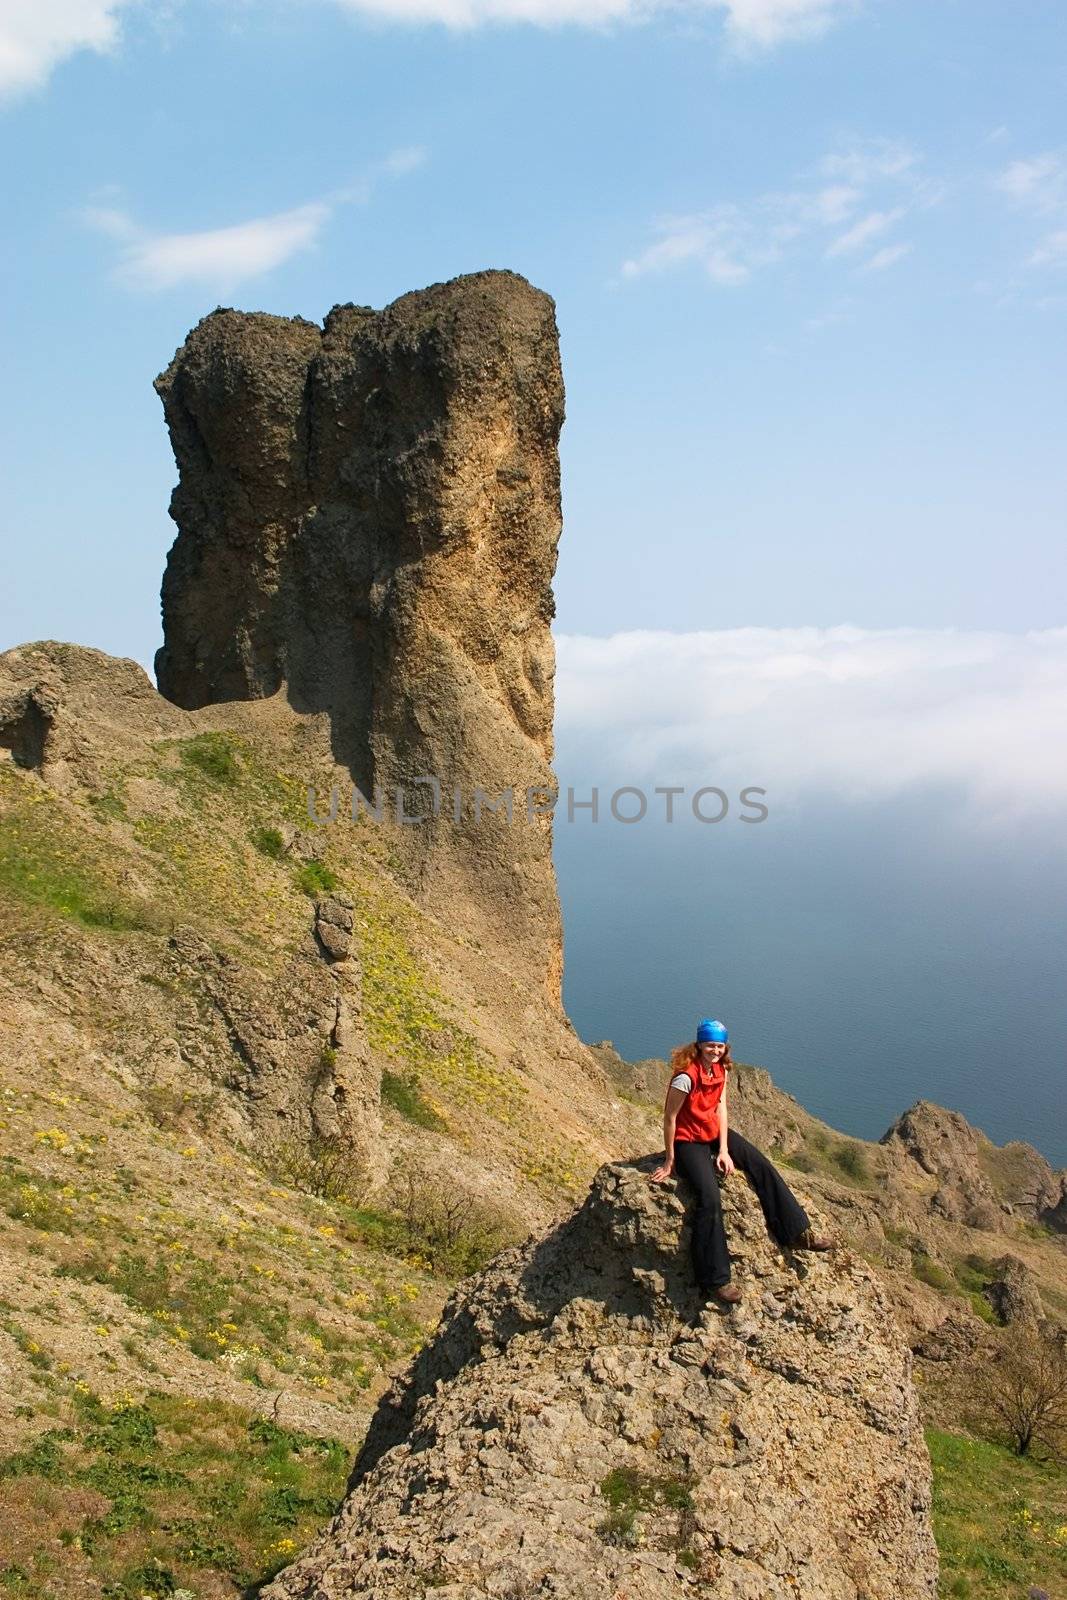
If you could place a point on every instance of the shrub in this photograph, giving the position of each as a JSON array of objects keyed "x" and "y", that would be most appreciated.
[
  {"x": 435, "y": 1225},
  {"x": 315, "y": 877},
  {"x": 269, "y": 842},
  {"x": 1021, "y": 1394},
  {"x": 451, "y": 1229},
  {"x": 852, "y": 1159},
  {"x": 212, "y": 754},
  {"x": 801, "y": 1161},
  {"x": 929, "y": 1271},
  {"x": 326, "y": 1165}
]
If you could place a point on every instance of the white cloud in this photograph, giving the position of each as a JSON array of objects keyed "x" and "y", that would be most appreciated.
[
  {"x": 886, "y": 257},
  {"x": 1039, "y": 182},
  {"x": 221, "y": 256},
  {"x": 842, "y": 712},
  {"x": 770, "y": 22},
  {"x": 733, "y": 240},
  {"x": 749, "y": 24},
  {"x": 400, "y": 162},
  {"x": 225, "y": 257},
  {"x": 1051, "y": 251},
  {"x": 1039, "y": 186},
  {"x": 864, "y": 231},
  {"x": 863, "y": 164},
  {"x": 35, "y": 35}
]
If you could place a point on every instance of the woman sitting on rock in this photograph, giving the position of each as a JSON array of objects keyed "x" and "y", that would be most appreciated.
[{"x": 697, "y": 1140}]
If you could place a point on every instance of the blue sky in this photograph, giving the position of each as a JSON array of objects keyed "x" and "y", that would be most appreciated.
[{"x": 810, "y": 263}]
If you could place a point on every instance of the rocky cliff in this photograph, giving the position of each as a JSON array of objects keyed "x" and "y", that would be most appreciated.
[
  {"x": 580, "y": 1425},
  {"x": 368, "y": 516},
  {"x": 272, "y": 1082}
]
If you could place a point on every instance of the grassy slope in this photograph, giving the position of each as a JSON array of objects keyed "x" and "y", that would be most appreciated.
[
  {"x": 161, "y": 1299},
  {"x": 190, "y": 1343},
  {"x": 1000, "y": 1522},
  {"x": 165, "y": 1289}
]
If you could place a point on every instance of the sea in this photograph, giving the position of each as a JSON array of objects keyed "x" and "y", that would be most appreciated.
[{"x": 868, "y": 954}]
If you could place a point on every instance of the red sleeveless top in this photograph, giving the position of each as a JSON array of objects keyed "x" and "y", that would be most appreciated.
[{"x": 698, "y": 1117}]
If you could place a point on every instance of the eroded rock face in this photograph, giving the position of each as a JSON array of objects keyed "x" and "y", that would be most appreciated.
[
  {"x": 580, "y": 1426},
  {"x": 63, "y": 705},
  {"x": 979, "y": 1184},
  {"x": 1013, "y": 1294},
  {"x": 293, "y": 1056},
  {"x": 369, "y": 514}
]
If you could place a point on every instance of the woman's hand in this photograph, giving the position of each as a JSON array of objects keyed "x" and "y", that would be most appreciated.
[
  {"x": 724, "y": 1162},
  {"x": 662, "y": 1173}
]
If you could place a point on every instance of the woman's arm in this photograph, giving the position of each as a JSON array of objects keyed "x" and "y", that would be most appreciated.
[
  {"x": 671, "y": 1107},
  {"x": 723, "y": 1160}
]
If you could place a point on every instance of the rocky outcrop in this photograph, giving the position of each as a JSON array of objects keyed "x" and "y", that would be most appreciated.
[
  {"x": 1012, "y": 1293},
  {"x": 946, "y": 1147},
  {"x": 368, "y": 517},
  {"x": 67, "y": 710},
  {"x": 581, "y": 1426},
  {"x": 978, "y": 1183},
  {"x": 953, "y": 1341}
]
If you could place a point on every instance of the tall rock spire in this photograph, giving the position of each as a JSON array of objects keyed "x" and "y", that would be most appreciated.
[{"x": 368, "y": 515}]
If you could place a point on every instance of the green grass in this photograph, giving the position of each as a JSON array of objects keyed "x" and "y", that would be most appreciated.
[
  {"x": 214, "y": 755},
  {"x": 42, "y": 863},
  {"x": 315, "y": 877},
  {"x": 151, "y": 1495},
  {"x": 1000, "y": 1521},
  {"x": 851, "y": 1158},
  {"x": 629, "y": 1493},
  {"x": 966, "y": 1279},
  {"x": 973, "y": 1274},
  {"x": 193, "y": 1300},
  {"x": 401, "y": 1091},
  {"x": 836, "y": 1158},
  {"x": 269, "y": 842},
  {"x": 34, "y": 1199},
  {"x": 930, "y": 1272}
]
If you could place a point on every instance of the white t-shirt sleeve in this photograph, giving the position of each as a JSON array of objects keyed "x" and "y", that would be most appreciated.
[{"x": 683, "y": 1081}]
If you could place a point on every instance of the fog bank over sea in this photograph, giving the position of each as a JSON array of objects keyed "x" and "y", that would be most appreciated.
[
  {"x": 868, "y": 955},
  {"x": 895, "y": 929}
]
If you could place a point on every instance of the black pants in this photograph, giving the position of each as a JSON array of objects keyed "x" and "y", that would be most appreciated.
[{"x": 695, "y": 1162}]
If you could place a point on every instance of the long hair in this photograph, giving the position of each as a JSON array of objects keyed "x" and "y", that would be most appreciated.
[{"x": 683, "y": 1056}]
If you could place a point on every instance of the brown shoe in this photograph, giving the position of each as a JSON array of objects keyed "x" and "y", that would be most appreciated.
[
  {"x": 726, "y": 1291},
  {"x": 810, "y": 1240}
]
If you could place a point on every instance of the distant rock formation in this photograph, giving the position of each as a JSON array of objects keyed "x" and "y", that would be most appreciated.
[
  {"x": 580, "y": 1427},
  {"x": 368, "y": 517},
  {"x": 979, "y": 1184}
]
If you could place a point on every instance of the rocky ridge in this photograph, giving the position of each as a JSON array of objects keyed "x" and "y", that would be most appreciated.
[{"x": 580, "y": 1425}]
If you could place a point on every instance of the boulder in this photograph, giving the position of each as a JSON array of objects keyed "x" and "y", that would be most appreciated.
[
  {"x": 1013, "y": 1294},
  {"x": 582, "y": 1425}
]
